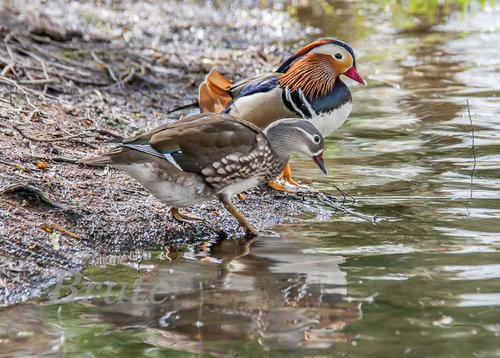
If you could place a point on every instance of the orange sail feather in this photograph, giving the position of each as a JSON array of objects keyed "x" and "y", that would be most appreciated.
[{"x": 213, "y": 96}]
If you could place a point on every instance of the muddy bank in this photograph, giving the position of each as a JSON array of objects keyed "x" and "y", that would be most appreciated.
[{"x": 73, "y": 75}]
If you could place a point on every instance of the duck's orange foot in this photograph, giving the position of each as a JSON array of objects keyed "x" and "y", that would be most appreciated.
[
  {"x": 277, "y": 186},
  {"x": 183, "y": 218},
  {"x": 286, "y": 176}
]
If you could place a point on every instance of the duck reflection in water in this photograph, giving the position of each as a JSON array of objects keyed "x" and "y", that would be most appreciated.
[{"x": 238, "y": 290}]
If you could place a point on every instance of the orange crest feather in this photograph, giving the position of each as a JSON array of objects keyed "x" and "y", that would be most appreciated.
[{"x": 314, "y": 74}]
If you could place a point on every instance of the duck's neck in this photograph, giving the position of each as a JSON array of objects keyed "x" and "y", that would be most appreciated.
[{"x": 282, "y": 142}]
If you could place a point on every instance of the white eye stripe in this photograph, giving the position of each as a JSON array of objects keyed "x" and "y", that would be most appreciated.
[
  {"x": 328, "y": 49},
  {"x": 308, "y": 134},
  {"x": 332, "y": 50}
]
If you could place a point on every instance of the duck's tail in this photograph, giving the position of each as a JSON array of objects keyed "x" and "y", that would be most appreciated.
[
  {"x": 108, "y": 158},
  {"x": 214, "y": 95}
]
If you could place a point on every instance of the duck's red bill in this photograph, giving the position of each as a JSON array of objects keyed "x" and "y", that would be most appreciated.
[
  {"x": 354, "y": 74},
  {"x": 319, "y": 160}
]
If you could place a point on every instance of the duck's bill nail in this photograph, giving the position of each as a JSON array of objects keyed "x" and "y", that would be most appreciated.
[
  {"x": 319, "y": 160},
  {"x": 354, "y": 74}
]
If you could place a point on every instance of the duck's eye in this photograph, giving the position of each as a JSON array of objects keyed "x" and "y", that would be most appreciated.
[
  {"x": 317, "y": 139},
  {"x": 338, "y": 56}
]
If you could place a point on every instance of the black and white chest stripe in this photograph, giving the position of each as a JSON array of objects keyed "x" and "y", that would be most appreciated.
[{"x": 297, "y": 102}]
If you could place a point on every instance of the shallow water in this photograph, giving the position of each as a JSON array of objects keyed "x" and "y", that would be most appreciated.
[{"x": 424, "y": 281}]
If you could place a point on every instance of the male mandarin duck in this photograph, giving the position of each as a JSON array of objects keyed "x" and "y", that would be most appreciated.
[
  {"x": 306, "y": 85},
  {"x": 211, "y": 155}
]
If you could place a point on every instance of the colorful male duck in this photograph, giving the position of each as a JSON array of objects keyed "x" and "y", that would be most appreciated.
[
  {"x": 306, "y": 85},
  {"x": 211, "y": 155}
]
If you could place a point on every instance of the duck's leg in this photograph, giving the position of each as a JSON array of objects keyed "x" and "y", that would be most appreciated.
[
  {"x": 287, "y": 177},
  {"x": 183, "y": 218},
  {"x": 224, "y": 199}
]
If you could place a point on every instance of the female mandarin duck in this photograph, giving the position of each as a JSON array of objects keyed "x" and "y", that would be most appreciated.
[
  {"x": 211, "y": 154},
  {"x": 306, "y": 85}
]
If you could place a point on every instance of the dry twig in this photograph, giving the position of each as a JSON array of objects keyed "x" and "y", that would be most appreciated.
[
  {"x": 473, "y": 149},
  {"x": 108, "y": 68},
  {"x": 185, "y": 106},
  {"x": 80, "y": 135},
  {"x": 64, "y": 231},
  {"x": 331, "y": 201}
]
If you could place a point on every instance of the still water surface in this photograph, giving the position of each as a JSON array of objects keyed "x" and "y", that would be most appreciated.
[{"x": 422, "y": 282}]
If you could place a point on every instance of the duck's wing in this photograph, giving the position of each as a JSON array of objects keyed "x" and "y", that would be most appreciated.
[
  {"x": 129, "y": 148},
  {"x": 256, "y": 84},
  {"x": 203, "y": 139},
  {"x": 191, "y": 144}
]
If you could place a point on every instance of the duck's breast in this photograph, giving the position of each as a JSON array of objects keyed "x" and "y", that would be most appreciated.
[{"x": 327, "y": 122}]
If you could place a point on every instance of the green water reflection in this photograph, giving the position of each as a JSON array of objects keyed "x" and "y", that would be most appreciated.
[{"x": 423, "y": 282}]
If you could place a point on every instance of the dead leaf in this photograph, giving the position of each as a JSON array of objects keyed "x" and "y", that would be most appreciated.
[
  {"x": 22, "y": 168},
  {"x": 46, "y": 228},
  {"x": 157, "y": 210},
  {"x": 41, "y": 165},
  {"x": 162, "y": 60}
]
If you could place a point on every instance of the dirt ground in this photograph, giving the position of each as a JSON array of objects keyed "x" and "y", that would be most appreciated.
[{"x": 75, "y": 74}]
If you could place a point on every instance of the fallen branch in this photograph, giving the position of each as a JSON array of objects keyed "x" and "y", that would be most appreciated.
[
  {"x": 325, "y": 199},
  {"x": 44, "y": 81},
  {"x": 54, "y": 159},
  {"x": 80, "y": 135},
  {"x": 331, "y": 201},
  {"x": 15, "y": 165},
  {"x": 84, "y": 81},
  {"x": 344, "y": 194},
  {"x": 129, "y": 77},
  {"x": 21, "y": 187},
  {"x": 14, "y": 83},
  {"x": 64, "y": 231},
  {"x": 185, "y": 106}
]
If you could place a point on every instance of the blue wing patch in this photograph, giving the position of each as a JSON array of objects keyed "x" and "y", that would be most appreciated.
[{"x": 258, "y": 86}]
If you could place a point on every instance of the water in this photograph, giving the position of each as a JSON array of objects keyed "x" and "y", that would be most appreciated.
[{"x": 422, "y": 282}]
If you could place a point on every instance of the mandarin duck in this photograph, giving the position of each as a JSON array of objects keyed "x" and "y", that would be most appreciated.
[
  {"x": 306, "y": 85},
  {"x": 211, "y": 155}
]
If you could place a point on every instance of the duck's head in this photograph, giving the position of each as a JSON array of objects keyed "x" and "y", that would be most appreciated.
[
  {"x": 326, "y": 58},
  {"x": 294, "y": 135}
]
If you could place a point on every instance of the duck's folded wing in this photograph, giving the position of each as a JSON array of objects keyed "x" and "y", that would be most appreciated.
[
  {"x": 207, "y": 140},
  {"x": 260, "y": 83}
]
